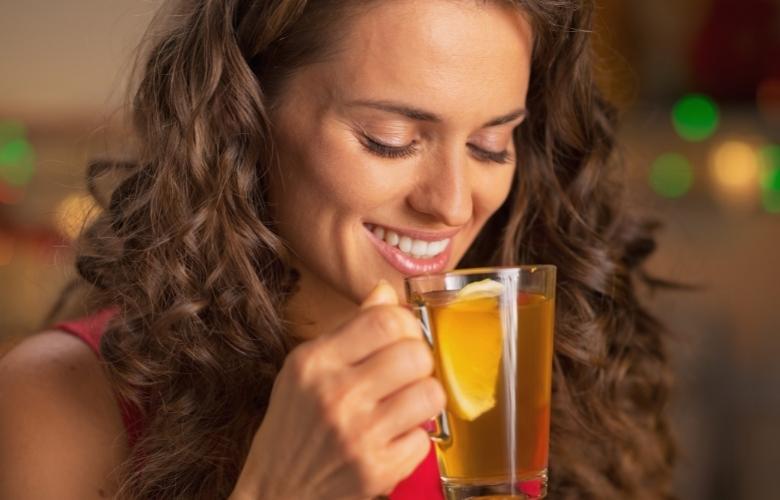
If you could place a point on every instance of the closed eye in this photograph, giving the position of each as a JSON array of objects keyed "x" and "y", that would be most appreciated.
[
  {"x": 385, "y": 151},
  {"x": 496, "y": 157}
]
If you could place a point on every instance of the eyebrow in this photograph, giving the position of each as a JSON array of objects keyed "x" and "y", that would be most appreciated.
[{"x": 427, "y": 116}]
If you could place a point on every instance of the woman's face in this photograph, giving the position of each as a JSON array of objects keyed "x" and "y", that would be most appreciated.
[{"x": 396, "y": 150}]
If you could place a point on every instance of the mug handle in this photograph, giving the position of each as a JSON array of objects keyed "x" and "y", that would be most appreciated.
[{"x": 440, "y": 432}]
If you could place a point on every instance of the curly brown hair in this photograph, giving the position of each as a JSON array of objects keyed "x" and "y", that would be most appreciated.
[{"x": 187, "y": 251}]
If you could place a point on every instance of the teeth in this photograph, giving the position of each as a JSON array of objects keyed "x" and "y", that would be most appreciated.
[
  {"x": 415, "y": 248},
  {"x": 419, "y": 248},
  {"x": 405, "y": 244},
  {"x": 436, "y": 247},
  {"x": 392, "y": 238}
]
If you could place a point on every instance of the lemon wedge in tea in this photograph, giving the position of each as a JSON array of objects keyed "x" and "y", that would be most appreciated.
[{"x": 470, "y": 338}]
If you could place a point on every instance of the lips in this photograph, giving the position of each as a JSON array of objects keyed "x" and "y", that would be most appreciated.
[{"x": 407, "y": 264}]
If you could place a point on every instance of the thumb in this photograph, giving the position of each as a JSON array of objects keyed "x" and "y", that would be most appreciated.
[{"x": 382, "y": 293}]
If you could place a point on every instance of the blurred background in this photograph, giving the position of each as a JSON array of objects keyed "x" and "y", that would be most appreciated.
[{"x": 698, "y": 83}]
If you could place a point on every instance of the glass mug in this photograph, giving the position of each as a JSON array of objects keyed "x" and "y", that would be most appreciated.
[{"x": 491, "y": 332}]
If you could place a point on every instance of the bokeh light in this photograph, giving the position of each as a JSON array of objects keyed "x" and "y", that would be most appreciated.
[
  {"x": 695, "y": 117},
  {"x": 671, "y": 175},
  {"x": 17, "y": 161},
  {"x": 734, "y": 167},
  {"x": 769, "y": 160},
  {"x": 73, "y": 213}
]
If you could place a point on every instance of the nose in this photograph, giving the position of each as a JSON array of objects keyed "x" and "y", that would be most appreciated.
[{"x": 444, "y": 190}]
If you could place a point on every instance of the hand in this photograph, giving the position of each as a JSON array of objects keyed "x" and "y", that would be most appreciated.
[{"x": 344, "y": 417}]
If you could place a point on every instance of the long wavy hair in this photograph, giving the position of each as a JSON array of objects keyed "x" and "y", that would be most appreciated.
[{"x": 186, "y": 251}]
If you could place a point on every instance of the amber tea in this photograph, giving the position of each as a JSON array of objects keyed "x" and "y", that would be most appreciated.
[{"x": 492, "y": 341}]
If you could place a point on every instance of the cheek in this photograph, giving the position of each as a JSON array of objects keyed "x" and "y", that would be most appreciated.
[
  {"x": 334, "y": 170},
  {"x": 492, "y": 192}
]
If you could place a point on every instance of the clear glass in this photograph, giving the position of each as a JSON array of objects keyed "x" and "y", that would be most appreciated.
[{"x": 491, "y": 331}]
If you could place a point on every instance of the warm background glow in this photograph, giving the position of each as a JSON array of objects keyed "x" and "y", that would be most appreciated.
[{"x": 698, "y": 85}]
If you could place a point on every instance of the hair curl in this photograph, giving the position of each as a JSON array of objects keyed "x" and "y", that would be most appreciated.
[{"x": 186, "y": 250}]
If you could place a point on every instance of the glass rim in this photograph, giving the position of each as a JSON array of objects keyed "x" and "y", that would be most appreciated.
[{"x": 528, "y": 268}]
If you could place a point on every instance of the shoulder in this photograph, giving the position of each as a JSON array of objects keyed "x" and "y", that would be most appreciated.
[{"x": 61, "y": 433}]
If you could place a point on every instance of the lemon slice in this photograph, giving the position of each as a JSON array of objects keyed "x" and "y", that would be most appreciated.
[
  {"x": 469, "y": 336},
  {"x": 480, "y": 289}
]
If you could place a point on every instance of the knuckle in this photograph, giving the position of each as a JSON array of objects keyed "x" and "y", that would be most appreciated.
[
  {"x": 342, "y": 406},
  {"x": 387, "y": 322},
  {"x": 330, "y": 399},
  {"x": 419, "y": 357},
  {"x": 395, "y": 322},
  {"x": 299, "y": 362}
]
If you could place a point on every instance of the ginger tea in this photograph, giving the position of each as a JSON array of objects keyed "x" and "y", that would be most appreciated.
[{"x": 496, "y": 369}]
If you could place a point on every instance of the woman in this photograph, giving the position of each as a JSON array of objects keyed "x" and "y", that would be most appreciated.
[{"x": 293, "y": 154}]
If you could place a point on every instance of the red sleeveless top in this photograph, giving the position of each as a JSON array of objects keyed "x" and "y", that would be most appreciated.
[{"x": 422, "y": 484}]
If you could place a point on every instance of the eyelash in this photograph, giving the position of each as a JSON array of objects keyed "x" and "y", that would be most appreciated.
[
  {"x": 388, "y": 151},
  {"x": 403, "y": 152}
]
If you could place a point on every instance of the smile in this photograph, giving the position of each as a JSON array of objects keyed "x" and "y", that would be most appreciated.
[{"x": 410, "y": 251}]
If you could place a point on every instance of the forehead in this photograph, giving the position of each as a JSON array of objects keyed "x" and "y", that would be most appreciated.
[{"x": 438, "y": 54}]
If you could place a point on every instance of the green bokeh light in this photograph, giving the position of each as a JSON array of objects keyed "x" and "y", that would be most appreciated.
[
  {"x": 671, "y": 175},
  {"x": 769, "y": 156},
  {"x": 695, "y": 117},
  {"x": 15, "y": 151},
  {"x": 17, "y": 158}
]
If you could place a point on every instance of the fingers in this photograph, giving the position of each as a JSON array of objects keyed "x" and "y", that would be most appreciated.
[
  {"x": 393, "y": 367},
  {"x": 409, "y": 407},
  {"x": 371, "y": 330}
]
